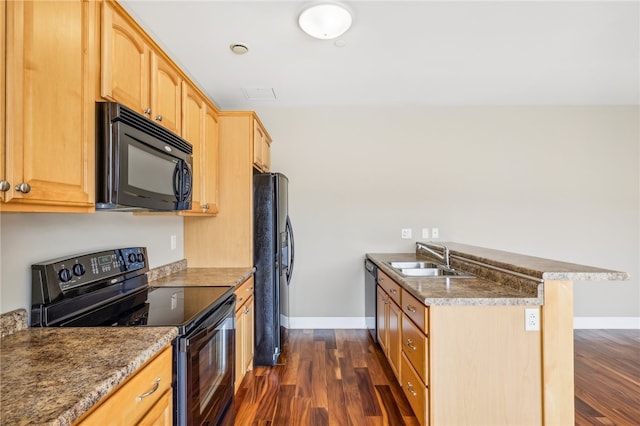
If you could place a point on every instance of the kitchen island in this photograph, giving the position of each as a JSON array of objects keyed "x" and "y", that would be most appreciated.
[{"x": 475, "y": 363}]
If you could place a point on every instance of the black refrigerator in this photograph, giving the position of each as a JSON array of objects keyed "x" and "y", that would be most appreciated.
[{"x": 273, "y": 251}]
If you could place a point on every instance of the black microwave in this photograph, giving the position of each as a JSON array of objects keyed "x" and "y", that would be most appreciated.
[{"x": 140, "y": 165}]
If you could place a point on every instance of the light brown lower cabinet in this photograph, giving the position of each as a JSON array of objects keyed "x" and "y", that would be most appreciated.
[
  {"x": 146, "y": 398},
  {"x": 462, "y": 364},
  {"x": 389, "y": 320},
  {"x": 244, "y": 330}
]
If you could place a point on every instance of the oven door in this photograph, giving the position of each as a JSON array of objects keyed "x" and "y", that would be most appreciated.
[{"x": 205, "y": 369}]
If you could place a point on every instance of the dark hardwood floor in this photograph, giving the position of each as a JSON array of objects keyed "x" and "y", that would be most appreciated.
[
  {"x": 607, "y": 377},
  {"x": 339, "y": 377}
]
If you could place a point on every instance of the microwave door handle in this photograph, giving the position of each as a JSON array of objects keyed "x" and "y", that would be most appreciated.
[{"x": 177, "y": 177}]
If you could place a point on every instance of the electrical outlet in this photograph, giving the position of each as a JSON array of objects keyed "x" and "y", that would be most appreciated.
[
  {"x": 435, "y": 233},
  {"x": 406, "y": 233},
  {"x": 532, "y": 319},
  {"x": 425, "y": 232},
  {"x": 174, "y": 242}
]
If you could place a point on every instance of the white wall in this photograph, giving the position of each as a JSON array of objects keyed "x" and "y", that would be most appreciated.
[
  {"x": 27, "y": 238},
  {"x": 555, "y": 182}
]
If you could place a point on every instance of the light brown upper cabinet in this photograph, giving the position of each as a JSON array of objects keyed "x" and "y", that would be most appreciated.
[
  {"x": 136, "y": 75},
  {"x": 200, "y": 128},
  {"x": 261, "y": 148},
  {"x": 47, "y": 149}
]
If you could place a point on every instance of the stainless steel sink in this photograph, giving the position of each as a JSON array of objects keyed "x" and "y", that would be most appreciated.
[
  {"x": 413, "y": 265},
  {"x": 426, "y": 269},
  {"x": 432, "y": 272}
]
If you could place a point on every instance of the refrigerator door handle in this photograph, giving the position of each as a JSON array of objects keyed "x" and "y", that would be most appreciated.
[{"x": 291, "y": 251}]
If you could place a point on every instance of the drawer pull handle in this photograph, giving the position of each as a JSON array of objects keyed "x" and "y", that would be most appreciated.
[
  {"x": 393, "y": 291},
  {"x": 411, "y": 345},
  {"x": 156, "y": 384},
  {"x": 240, "y": 299},
  {"x": 250, "y": 289},
  {"x": 411, "y": 309},
  {"x": 410, "y": 389}
]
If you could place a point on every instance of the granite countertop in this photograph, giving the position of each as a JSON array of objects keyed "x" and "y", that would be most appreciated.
[
  {"x": 546, "y": 269},
  {"x": 51, "y": 376},
  {"x": 209, "y": 277},
  {"x": 501, "y": 278},
  {"x": 434, "y": 291}
]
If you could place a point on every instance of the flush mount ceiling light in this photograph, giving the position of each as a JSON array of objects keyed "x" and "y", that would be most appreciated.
[
  {"x": 325, "y": 20},
  {"x": 239, "y": 48}
]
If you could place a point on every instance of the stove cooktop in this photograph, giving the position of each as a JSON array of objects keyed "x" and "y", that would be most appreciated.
[{"x": 183, "y": 306}]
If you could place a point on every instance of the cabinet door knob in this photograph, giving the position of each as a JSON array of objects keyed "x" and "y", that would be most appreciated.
[
  {"x": 24, "y": 188},
  {"x": 147, "y": 111},
  {"x": 158, "y": 118},
  {"x": 4, "y": 185}
]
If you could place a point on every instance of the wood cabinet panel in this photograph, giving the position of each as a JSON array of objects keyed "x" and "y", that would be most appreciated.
[
  {"x": 166, "y": 94},
  {"x": 415, "y": 347},
  {"x": 244, "y": 330},
  {"x": 416, "y": 392},
  {"x": 484, "y": 347},
  {"x": 392, "y": 288},
  {"x": 135, "y": 74},
  {"x": 415, "y": 310},
  {"x": 227, "y": 241},
  {"x": 389, "y": 320},
  {"x": 49, "y": 117},
  {"x": 200, "y": 128},
  {"x": 125, "y": 74},
  {"x": 137, "y": 397},
  {"x": 193, "y": 132},
  {"x": 211, "y": 165},
  {"x": 261, "y": 148},
  {"x": 394, "y": 326},
  {"x": 381, "y": 318}
]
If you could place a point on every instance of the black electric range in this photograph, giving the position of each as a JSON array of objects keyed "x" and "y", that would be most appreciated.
[{"x": 110, "y": 288}]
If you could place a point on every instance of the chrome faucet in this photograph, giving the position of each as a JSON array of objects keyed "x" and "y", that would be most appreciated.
[{"x": 445, "y": 252}]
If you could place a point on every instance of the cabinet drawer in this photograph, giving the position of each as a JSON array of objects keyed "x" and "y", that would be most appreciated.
[
  {"x": 414, "y": 346},
  {"x": 415, "y": 310},
  {"x": 134, "y": 398},
  {"x": 392, "y": 288},
  {"x": 415, "y": 391},
  {"x": 244, "y": 292}
]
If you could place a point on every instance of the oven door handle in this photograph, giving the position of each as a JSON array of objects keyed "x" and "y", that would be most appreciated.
[{"x": 222, "y": 314}]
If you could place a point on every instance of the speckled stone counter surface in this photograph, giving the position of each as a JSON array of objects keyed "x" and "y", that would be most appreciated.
[
  {"x": 441, "y": 291},
  {"x": 545, "y": 269},
  {"x": 205, "y": 277},
  {"x": 13, "y": 321},
  {"x": 51, "y": 376},
  {"x": 501, "y": 278}
]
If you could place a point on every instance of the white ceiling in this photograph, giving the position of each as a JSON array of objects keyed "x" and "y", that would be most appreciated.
[{"x": 406, "y": 53}]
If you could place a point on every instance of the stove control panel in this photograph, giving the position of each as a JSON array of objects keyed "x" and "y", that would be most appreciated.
[{"x": 52, "y": 278}]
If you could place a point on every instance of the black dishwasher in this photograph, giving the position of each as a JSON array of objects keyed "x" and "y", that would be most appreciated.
[{"x": 370, "y": 290}]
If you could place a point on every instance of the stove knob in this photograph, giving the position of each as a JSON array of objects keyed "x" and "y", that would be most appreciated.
[
  {"x": 78, "y": 270},
  {"x": 132, "y": 257},
  {"x": 140, "y": 257},
  {"x": 64, "y": 274}
]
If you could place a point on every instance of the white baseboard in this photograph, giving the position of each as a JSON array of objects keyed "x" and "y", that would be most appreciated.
[
  {"x": 606, "y": 323},
  {"x": 323, "y": 322},
  {"x": 632, "y": 323}
]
